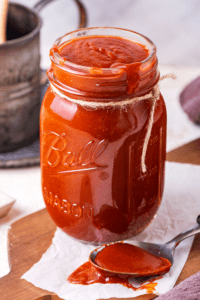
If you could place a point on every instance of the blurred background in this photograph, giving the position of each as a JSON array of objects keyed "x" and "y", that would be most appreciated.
[{"x": 173, "y": 26}]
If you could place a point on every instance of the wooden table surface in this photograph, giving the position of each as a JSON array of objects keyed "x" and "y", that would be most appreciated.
[{"x": 31, "y": 236}]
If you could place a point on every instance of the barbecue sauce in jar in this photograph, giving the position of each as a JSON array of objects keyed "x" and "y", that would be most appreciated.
[{"x": 92, "y": 181}]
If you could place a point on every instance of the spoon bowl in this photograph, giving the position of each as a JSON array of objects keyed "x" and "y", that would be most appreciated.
[{"x": 165, "y": 251}]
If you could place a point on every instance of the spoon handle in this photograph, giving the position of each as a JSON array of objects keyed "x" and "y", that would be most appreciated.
[{"x": 187, "y": 233}]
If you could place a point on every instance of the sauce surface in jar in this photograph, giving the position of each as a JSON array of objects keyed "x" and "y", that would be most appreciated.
[
  {"x": 103, "y": 52},
  {"x": 92, "y": 182}
]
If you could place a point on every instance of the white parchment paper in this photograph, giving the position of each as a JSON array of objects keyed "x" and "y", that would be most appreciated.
[
  {"x": 178, "y": 211},
  {"x": 180, "y": 130}
]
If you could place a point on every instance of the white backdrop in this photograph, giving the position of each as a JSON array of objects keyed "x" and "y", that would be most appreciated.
[{"x": 174, "y": 26}]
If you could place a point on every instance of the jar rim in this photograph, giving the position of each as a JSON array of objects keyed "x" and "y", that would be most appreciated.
[{"x": 63, "y": 63}]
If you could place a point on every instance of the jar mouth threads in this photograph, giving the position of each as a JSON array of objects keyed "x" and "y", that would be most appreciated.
[{"x": 104, "y": 83}]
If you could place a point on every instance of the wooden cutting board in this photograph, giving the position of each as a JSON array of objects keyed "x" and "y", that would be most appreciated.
[{"x": 31, "y": 236}]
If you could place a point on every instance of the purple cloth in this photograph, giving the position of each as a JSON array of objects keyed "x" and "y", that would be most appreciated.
[
  {"x": 190, "y": 100},
  {"x": 189, "y": 289}
]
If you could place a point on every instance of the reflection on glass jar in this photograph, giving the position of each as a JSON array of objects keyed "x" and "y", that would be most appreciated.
[{"x": 92, "y": 181}]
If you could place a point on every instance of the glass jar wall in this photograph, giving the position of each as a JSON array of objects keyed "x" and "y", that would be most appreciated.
[{"x": 92, "y": 181}]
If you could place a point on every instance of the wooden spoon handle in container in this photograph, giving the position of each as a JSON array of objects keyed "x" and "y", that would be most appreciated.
[{"x": 3, "y": 19}]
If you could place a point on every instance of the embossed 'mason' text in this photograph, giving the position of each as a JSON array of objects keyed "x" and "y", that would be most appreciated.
[
  {"x": 58, "y": 153},
  {"x": 68, "y": 208}
]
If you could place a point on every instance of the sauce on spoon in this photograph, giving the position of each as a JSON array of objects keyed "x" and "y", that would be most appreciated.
[
  {"x": 124, "y": 258},
  {"x": 124, "y": 261}
]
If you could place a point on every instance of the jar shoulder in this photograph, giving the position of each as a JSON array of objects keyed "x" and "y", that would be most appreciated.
[{"x": 101, "y": 123}]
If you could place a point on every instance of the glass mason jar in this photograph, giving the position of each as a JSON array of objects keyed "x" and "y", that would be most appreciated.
[{"x": 92, "y": 181}]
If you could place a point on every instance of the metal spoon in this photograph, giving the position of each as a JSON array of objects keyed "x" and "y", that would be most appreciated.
[{"x": 161, "y": 250}]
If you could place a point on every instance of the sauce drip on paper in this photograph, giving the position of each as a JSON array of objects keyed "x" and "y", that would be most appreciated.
[
  {"x": 121, "y": 257},
  {"x": 88, "y": 274}
]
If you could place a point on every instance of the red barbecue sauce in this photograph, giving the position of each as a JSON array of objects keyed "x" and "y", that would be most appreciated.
[
  {"x": 88, "y": 274},
  {"x": 121, "y": 257},
  {"x": 92, "y": 182},
  {"x": 126, "y": 258},
  {"x": 103, "y": 52}
]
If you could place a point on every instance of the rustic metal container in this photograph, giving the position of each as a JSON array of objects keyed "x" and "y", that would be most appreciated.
[{"x": 20, "y": 75}]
